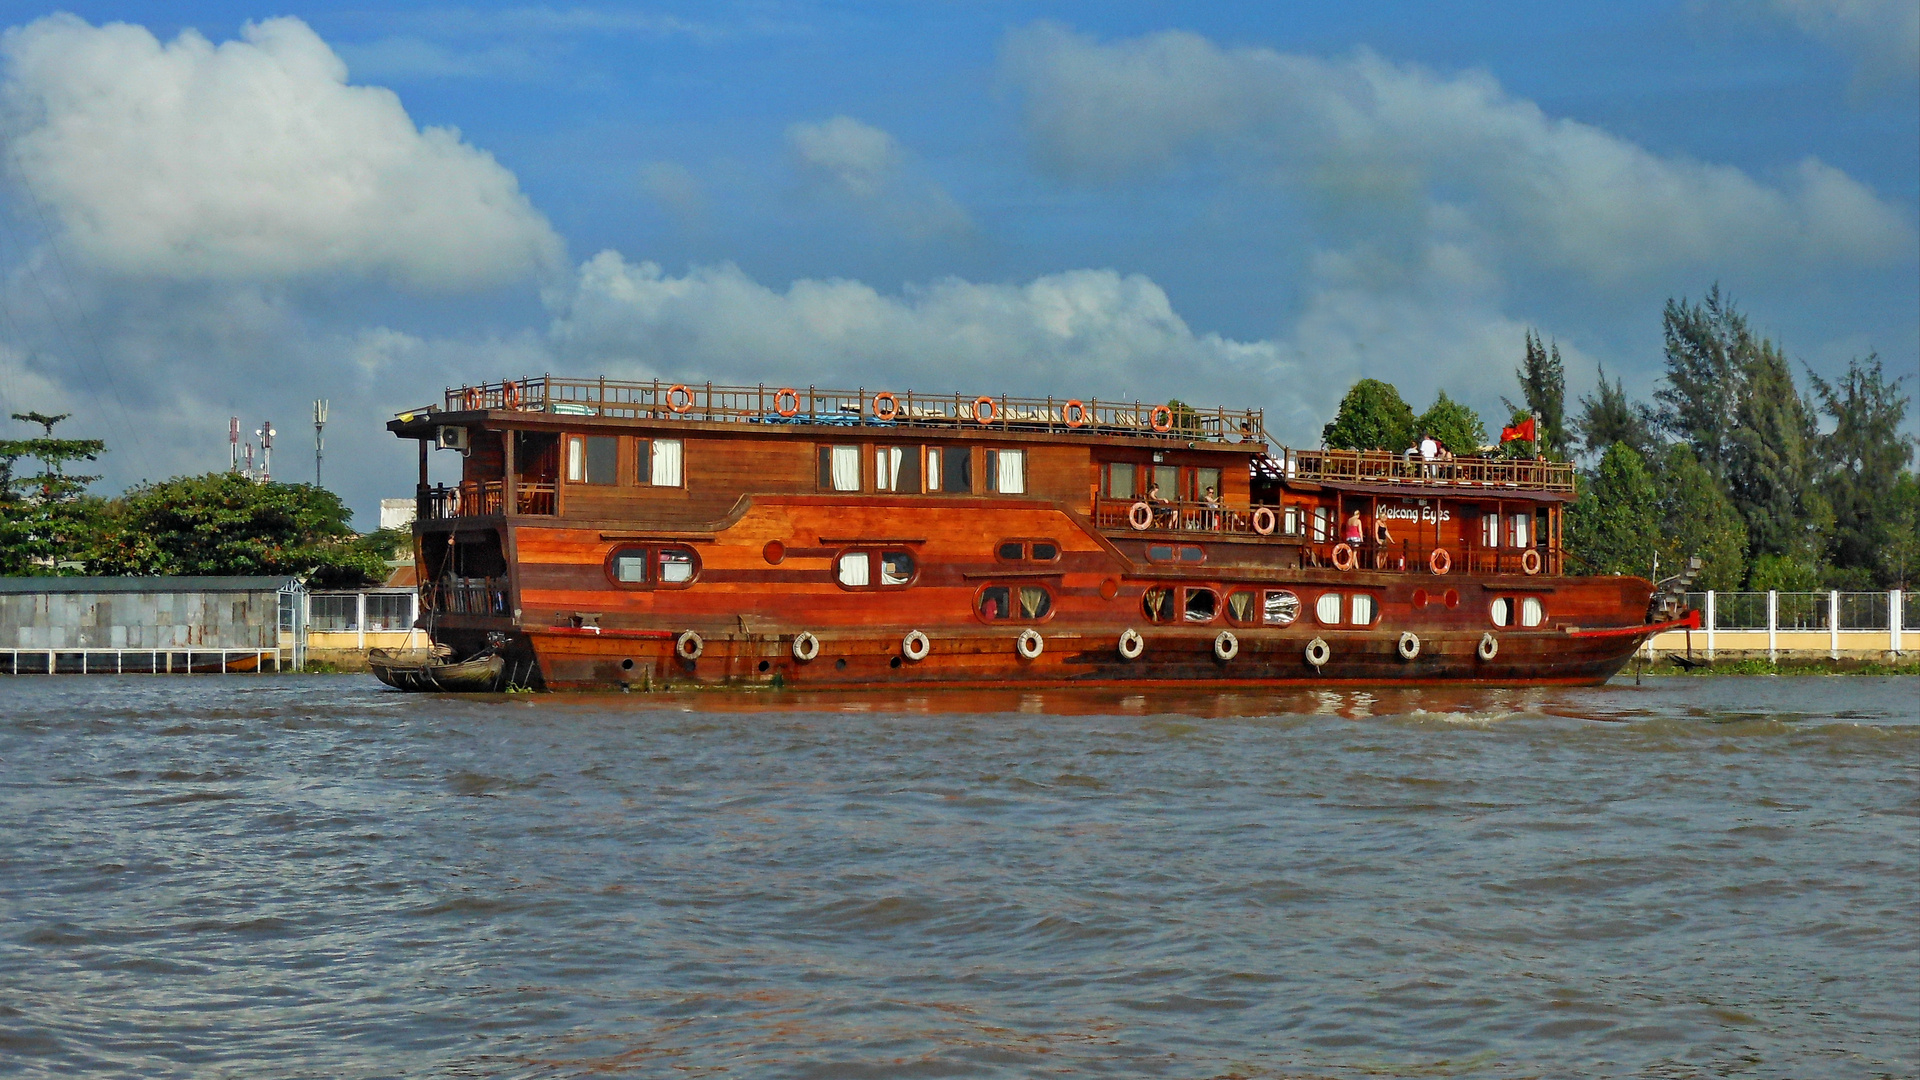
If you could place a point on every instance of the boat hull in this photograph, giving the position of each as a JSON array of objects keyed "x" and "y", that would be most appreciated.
[{"x": 479, "y": 675}]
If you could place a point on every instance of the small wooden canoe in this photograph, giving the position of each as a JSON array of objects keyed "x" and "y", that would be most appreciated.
[{"x": 481, "y": 674}]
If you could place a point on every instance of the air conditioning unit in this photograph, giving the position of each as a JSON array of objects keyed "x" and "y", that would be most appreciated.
[{"x": 453, "y": 438}]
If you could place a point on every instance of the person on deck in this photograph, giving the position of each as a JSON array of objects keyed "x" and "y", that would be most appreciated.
[
  {"x": 1213, "y": 508},
  {"x": 1356, "y": 530},
  {"x": 1161, "y": 509}
]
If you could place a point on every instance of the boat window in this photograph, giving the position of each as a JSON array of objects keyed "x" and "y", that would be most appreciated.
[
  {"x": 1202, "y": 480},
  {"x": 1186, "y": 553},
  {"x": 896, "y": 568},
  {"x": 854, "y": 569},
  {"x": 630, "y": 566},
  {"x": 956, "y": 470},
  {"x": 1120, "y": 480},
  {"x": 1361, "y": 609},
  {"x": 1322, "y": 523},
  {"x": 1327, "y": 608},
  {"x": 1531, "y": 612},
  {"x": 1007, "y": 471},
  {"x": 1168, "y": 477},
  {"x": 839, "y": 468},
  {"x": 999, "y": 603},
  {"x": 1241, "y": 604},
  {"x": 1280, "y": 608},
  {"x": 1517, "y": 529},
  {"x": 1157, "y": 604},
  {"x": 666, "y": 566},
  {"x": 1290, "y": 521},
  {"x": 676, "y": 566},
  {"x": 1502, "y": 611},
  {"x": 896, "y": 468},
  {"x": 592, "y": 459},
  {"x": 663, "y": 463},
  {"x": 1159, "y": 552},
  {"x": 1202, "y": 605},
  {"x": 1043, "y": 551},
  {"x": 1192, "y": 554},
  {"x": 1013, "y": 550},
  {"x": 1490, "y": 531}
]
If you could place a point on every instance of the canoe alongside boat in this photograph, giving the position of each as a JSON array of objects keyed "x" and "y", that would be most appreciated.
[{"x": 433, "y": 673}]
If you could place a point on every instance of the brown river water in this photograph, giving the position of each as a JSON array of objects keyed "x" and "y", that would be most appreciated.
[{"x": 317, "y": 877}]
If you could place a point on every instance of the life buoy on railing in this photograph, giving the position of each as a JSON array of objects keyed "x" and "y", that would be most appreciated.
[
  {"x": 472, "y": 399},
  {"x": 688, "y": 645},
  {"x": 805, "y": 646},
  {"x": 781, "y": 399},
  {"x": 984, "y": 410},
  {"x": 1155, "y": 422},
  {"x": 1489, "y": 646},
  {"x": 1225, "y": 645},
  {"x": 1030, "y": 644},
  {"x": 1319, "y": 652},
  {"x": 885, "y": 406},
  {"x": 1140, "y": 516},
  {"x": 915, "y": 645},
  {"x": 1344, "y": 557},
  {"x": 1264, "y": 520},
  {"x": 685, "y": 401},
  {"x": 1131, "y": 644},
  {"x": 1074, "y": 412},
  {"x": 1409, "y": 645},
  {"x": 509, "y": 395},
  {"x": 1530, "y": 561},
  {"x": 1439, "y": 562}
]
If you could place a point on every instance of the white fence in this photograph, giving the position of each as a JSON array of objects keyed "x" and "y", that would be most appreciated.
[{"x": 1800, "y": 623}]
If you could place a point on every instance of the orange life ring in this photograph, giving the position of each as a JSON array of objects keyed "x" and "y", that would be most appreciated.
[
  {"x": 472, "y": 399},
  {"x": 681, "y": 389},
  {"x": 1140, "y": 516},
  {"x": 984, "y": 410},
  {"x": 509, "y": 395},
  {"x": 1530, "y": 561},
  {"x": 782, "y": 396},
  {"x": 1263, "y": 520},
  {"x": 1068, "y": 410},
  {"x": 890, "y": 410},
  {"x": 1439, "y": 562},
  {"x": 1344, "y": 557},
  {"x": 1154, "y": 421}
]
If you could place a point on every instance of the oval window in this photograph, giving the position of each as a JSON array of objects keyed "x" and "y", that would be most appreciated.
[
  {"x": 1159, "y": 552},
  {"x": 1191, "y": 554},
  {"x": 1012, "y": 550},
  {"x": 896, "y": 568},
  {"x": 1157, "y": 604},
  {"x": 1327, "y": 608},
  {"x": 1279, "y": 608},
  {"x": 1531, "y": 613},
  {"x": 1201, "y": 606},
  {"x": 1502, "y": 611},
  {"x": 630, "y": 566},
  {"x": 1243, "y": 606},
  {"x": 676, "y": 566},
  {"x": 1362, "y": 609},
  {"x": 854, "y": 569},
  {"x": 1045, "y": 551}
]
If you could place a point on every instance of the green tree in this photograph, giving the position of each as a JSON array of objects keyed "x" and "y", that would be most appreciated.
[
  {"x": 1899, "y": 557},
  {"x": 1453, "y": 425},
  {"x": 1771, "y": 463},
  {"x": 1614, "y": 525},
  {"x": 1608, "y": 417},
  {"x": 1863, "y": 461},
  {"x": 46, "y": 519},
  {"x": 224, "y": 523},
  {"x": 1543, "y": 386},
  {"x": 1697, "y": 518},
  {"x": 1710, "y": 352},
  {"x": 1372, "y": 417}
]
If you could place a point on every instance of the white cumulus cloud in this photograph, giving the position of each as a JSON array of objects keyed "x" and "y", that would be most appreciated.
[
  {"x": 866, "y": 166},
  {"x": 1363, "y": 131},
  {"x": 1883, "y": 35},
  {"x": 252, "y": 160}
]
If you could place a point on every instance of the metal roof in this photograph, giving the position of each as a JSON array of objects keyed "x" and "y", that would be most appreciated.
[{"x": 52, "y": 584}]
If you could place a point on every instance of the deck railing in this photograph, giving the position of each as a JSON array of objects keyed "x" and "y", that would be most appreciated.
[
  {"x": 763, "y": 404},
  {"x": 480, "y": 499},
  {"x": 1381, "y": 467},
  {"x": 465, "y": 596}
]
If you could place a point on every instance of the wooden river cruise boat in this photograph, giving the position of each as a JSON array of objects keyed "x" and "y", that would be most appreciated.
[{"x": 642, "y": 535}]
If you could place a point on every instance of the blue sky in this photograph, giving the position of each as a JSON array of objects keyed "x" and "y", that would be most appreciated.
[{"x": 226, "y": 208}]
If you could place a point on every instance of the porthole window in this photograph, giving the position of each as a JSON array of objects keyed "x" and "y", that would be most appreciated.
[
  {"x": 1159, "y": 552},
  {"x": 1192, "y": 554},
  {"x": 1013, "y": 551},
  {"x": 1006, "y": 603},
  {"x": 1043, "y": 551},
  {"x": 862, "y": 569},
  {"x": 1531, "y": 612},
  {"x": 1027, "y": 551},
  {"x": 1243, "y": 607},
  {"x": 1502, "y": 611},
  {"x": 1201, "y": 606},
  {"x": 665, "y": 566},
  {"x": 1157, "y": 604},
  {"x": 1327, "y": 608},
  {"x": 1279, "y": 607},
  {"x": 1360, "y": 609}
]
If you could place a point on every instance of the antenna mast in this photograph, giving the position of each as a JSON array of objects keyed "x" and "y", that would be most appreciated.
[
  {"x": 319, "y": 440},
  {"x": 233, "y": 444},
  {"x": 266, "y": 434}
]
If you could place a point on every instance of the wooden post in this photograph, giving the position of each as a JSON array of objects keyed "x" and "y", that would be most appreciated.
[{"x": 509, "y": 483}]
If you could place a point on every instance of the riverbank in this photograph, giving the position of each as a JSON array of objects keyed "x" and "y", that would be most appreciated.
[{"x": 1667, "y": 665}]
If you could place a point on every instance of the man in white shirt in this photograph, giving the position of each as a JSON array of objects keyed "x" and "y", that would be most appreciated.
[{"x": 1429, "y": 453}]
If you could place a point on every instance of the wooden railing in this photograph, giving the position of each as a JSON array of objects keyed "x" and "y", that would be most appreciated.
[
  {"x": 1381, "y": 467},
  {"x": 1174, "y": 517},
  {"x": 811, "y": 405},
  {"x": 477, "y": 499},
  {"x": 465, "y": 596}
]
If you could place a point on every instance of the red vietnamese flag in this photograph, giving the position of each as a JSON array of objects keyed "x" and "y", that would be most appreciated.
[{"x": 1519, "y": 431}]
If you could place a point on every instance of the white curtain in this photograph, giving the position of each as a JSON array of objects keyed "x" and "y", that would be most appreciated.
[
  {"x": 666, "y": 462},
  {"x": 1011, "y": 478},
  {"x": 576, "y": 459},
  {"x": 887, "y": 461},
  {"x": 1327, "y": 608},
  {"x": 1531, "y": 613},
  {"x": 933, "y": 469},
  {"x": 1520, "y": 530},
  {"x": 853, "y": 569},
  {"x": 1362, "y": 609},
  {"x": 846, "y": 469}
]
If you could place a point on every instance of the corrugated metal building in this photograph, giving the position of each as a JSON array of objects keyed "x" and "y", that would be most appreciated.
[{"x": 149, "y": 624}]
